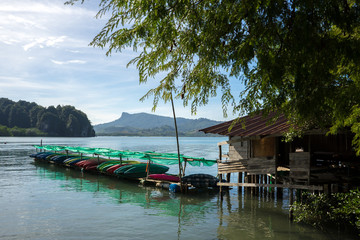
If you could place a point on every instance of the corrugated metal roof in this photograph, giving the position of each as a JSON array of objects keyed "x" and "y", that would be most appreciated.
[{"x": 252, "y": 125}]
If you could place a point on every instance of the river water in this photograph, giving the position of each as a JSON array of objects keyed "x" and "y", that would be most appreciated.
[{"x": 44, "y": 201}]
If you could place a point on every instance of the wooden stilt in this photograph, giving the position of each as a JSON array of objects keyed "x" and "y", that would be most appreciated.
[
  {"x": 228, "y": 177},
  {"x": 240, "y": 177},
  {"x": 291, "y": 201}
]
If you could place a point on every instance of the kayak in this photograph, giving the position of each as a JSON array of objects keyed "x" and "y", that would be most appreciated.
[
  {"x": 112, "y": 169},
  {"x": 165, "y": 177},
  {"x": 139, "y": 170}
]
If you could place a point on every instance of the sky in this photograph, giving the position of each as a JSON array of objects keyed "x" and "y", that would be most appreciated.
[{"x": 46, "y": 58}]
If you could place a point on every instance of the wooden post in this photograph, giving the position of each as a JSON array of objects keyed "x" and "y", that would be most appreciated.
[
  {"x": 239, "y": 181},
  {"x": 326, "y": 189},
  {"x": 177, "y": 141},
  {"x": 246, "y": 180},
  {"x": 252, "y": 188},
  {"x": 220, "y": 158},
  {"x": 148, "y": 168},
  {"x": 184, "y": 168},
  {"x": 228, "y": 177},
  {"x": 291, "y": 201}
]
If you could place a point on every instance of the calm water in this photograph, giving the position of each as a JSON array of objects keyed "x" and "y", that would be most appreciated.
[{"x": 42, "y": 201}]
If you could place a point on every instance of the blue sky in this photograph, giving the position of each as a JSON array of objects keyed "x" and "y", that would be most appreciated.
[{"x": 46, "y": 58}]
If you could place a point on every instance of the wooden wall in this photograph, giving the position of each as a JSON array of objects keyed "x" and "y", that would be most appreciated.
[
  {"x": 238, "y": 150},
  {"x": 261, "y": 165},
  {"x": 242, "y": 159},
  {"x": 251, "y": 166},
  {"x": 299, "y": 163},
  {"x": 264, "y": 147},
  {"x": 231, "y": 166}
]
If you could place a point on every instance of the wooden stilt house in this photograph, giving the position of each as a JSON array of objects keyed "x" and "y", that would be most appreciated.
[{"x": 260, "y": 156}]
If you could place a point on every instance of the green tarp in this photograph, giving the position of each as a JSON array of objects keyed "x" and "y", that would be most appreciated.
[{"x": 161, "y": 158}]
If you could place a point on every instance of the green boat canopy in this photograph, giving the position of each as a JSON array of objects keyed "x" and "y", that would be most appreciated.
[{"x": 161, "y": 158}]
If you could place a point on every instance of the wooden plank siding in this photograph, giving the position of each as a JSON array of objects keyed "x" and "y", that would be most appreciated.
[
  {"x": 299, "y": 163},
  {"x": 232, "y": 166},
  {"x": 261, "y": 165},
  {"x": 264, "y": 147},
  {"x": 238, "y": 150},
  {"x": 251, "y": 166},
  {"x": 240, "y": 159}
]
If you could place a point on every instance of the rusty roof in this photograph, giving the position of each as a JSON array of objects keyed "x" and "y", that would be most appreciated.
[{"x": 252, "y": 125}]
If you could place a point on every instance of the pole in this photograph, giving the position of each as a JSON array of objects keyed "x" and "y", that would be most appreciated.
[{"x": 177, "y": 137}]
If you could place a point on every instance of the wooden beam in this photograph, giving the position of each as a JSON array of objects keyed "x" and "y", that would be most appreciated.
[
  {"x": 223, "y": 143},
  {"x": 310, "y": 187},
  {"x": 239, "y": 140}
]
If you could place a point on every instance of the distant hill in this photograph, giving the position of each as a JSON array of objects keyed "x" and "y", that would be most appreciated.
[
  {"x": 144, "y": 124},
  {"x": 30, "y": 119}
]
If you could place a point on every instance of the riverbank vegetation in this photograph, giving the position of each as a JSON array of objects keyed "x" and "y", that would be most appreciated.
[
  {"x": 30, "y": 119},
  {"x": 338, "y": 210},
  {"x": 20, "y": 132}
]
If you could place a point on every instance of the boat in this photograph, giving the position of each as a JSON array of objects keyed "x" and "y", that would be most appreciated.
[
  {"x": 165, "y": 177},
  {"x": 111, "y": 169},
  {"x": 200, "y": 180},
  {"x": 111, "y": 162},
  {"x": 140, "y": 170}
]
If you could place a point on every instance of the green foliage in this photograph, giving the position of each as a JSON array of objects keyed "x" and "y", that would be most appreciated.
[
  {"x": 321, "y": 211},
  {"x": 301, "y": 58},
  {"x": 29, "y": 119},
  {"x": 4, "y": 131},
  {"x": 23, "y": 132}
]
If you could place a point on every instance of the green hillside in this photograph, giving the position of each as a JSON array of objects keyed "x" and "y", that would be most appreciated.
[{"x": 30, "y": 119}]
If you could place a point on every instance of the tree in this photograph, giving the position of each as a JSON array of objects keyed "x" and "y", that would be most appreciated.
[
  {"x": 4, "y": 131},
  {"x": 18, "y": 117},
  {"x": 34, "y": 115},
  {"x": 298, "y": 57}
]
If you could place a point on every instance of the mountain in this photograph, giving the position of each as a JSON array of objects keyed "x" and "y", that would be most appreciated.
[
  {"x": 144, "y": 124},
  {"x": 30, "y": 119}
]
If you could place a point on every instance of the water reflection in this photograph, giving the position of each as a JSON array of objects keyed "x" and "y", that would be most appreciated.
[
  {"x": 129, "y": 192},
  {"x": 44, "y": 201},
  {"x": 249, "y": 216}
]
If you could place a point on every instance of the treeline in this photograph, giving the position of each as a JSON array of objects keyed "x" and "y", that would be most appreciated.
[{"x": 30, "y": 119}]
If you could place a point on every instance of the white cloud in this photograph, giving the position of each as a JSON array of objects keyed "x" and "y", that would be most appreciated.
[
  {"x": 45, "y": 58},
  {"x": 43, "y": 7},
  {"x": 18, "y": 83},
  {"x": 32, "y": 22},
  {"x": 50, "y": 41},
  {"x": 68, "y": 62}
]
